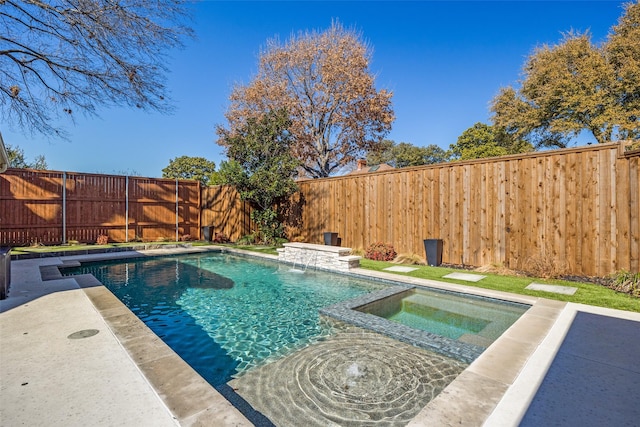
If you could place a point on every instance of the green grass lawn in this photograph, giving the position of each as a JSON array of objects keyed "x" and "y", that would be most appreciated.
[{"x": 587, "y": 293}]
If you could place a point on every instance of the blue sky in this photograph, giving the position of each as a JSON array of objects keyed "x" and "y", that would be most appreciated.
[{"x": 444, "y": 61}]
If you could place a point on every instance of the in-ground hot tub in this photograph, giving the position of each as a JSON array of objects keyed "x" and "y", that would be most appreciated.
[
  {"x": 473, "y": 320},
  {"x": 453, "y": 324}
]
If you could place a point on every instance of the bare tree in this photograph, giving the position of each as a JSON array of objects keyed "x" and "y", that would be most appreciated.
[
  {"x": 323, "y": 80},
  {"x": 58, "y": 58}
]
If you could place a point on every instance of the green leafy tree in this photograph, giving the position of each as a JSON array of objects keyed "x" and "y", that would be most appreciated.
[
  {"x": 405, "y": 154},
  {"x": 262, "y": 168},
  {"x": 60, "y": 58},
  {"x": 18, "y": 160},
  {"x": 323, "y": 80},
  {"x": 195, "y": 168},
  {"x": 623, "y": 53},
  {"x": 577, "y": 86},
  {"x": 482, "y": 140}
]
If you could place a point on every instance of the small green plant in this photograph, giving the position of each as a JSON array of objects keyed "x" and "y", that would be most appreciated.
[
  {"x": 249, "y": 239},
  {"x": 380, "y": 252},
  {"x": 358, "y": 251},
  {"x": 624, "y": 281},
  {"x": 102, "y": 239}
]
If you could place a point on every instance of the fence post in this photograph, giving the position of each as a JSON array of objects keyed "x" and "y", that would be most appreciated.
[
  {"x": 176, "y": 209},
  {"x": 126, "y": 209},
  {"x": 64, "y": 208}
]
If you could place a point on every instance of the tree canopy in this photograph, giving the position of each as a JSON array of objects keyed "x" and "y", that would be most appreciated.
[
  {"x": 262, "y": 168},
  {"x": 17, "y": 159},
  {"x": 623, "y": 54},
  {"x": 405, "y": 154},
  {"x": 577, "y": 86},
  {"x": 64, "y": 57},
  {"x": 323, "y": 80},
  {"x": 195, "y": 168},
  {"x": 482, "y": 140}
]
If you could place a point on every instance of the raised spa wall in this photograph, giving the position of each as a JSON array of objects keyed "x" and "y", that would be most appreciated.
[{"x": 308, "y": 255}]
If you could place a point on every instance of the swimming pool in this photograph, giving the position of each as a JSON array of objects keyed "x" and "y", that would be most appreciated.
[
  {"x": 283, "y": 346},
  {"x": 222, "y": 313}
]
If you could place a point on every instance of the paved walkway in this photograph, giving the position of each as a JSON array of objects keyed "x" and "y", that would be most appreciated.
[
  {"x": 561, "y": 364},
  {"x": 594, "y": 379},
  {"x": 585, "y": 373}
]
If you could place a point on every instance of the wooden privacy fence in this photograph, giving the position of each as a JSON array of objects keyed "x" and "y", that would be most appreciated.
[
  {"x": 578, "y": 207},
  {"x": 56, "y": 207}
]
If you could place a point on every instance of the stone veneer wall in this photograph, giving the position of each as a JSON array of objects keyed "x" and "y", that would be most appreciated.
[{"x": 307, "y": 255}]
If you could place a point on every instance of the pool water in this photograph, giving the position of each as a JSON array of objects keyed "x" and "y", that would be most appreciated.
[{"x": 224, "y": 314}]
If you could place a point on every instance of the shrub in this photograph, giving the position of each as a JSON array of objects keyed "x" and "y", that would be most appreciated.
[
  {"x": 358, "y": 251},
  {"x": 249, "y": 239},
  {"x": 186, "y": 238},
  {"x": 380, "y": 252},
  {"x": 220, "y": 238},
  {"x": 280, "y": 241},
  {"x": 410, "y": 259},
  {"x": 545, "y": 267},
  {"x": 626, "y": 282},
  {"x": 102, "y": 239}
]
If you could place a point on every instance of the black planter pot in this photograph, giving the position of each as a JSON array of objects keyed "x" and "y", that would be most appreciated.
[
  {"x": 330, "y": 238},
  {"x": 206, "y": 233},
  {"x": 433, "y": 248}
]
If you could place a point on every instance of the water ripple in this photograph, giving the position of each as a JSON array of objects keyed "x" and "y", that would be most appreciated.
[{"x": 355, "y": 378}]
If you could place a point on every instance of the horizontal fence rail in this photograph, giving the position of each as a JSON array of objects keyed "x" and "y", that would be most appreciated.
[{"x": 47, "y": 207}]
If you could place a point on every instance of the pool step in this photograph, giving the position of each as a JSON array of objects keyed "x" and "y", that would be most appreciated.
[
  {"x": 474, "y": 315},
  {"x": 456, "y": 319},
  {"x": 472, "y": 308}
]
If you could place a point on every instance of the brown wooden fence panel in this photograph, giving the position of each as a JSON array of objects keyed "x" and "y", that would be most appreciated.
[
  {"x": 95, "y": 205},
  {"x": 223, "y": 210},
  {"x": 30, "y": 207},
  {"x": 51, "y": 207},
  {"x": 576, "y": 206}
]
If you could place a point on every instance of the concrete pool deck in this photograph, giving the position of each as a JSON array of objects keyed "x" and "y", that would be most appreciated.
[{"x": 125, "y": 375}]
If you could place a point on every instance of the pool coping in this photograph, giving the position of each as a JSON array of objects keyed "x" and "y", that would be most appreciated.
[{"x": 498, "y": 385}]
